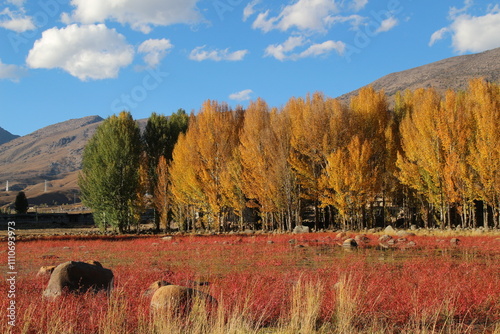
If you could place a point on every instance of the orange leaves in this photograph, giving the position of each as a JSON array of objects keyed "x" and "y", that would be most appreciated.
[
  {"x": 450, "y": 146},
  {"x": 350, "y": 177}
]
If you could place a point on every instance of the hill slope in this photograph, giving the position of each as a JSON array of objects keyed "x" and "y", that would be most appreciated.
[
  {"x": 451, "y": 73},
  {"x": 6, "y": 136},
  {"x": 53, "y": 153}
]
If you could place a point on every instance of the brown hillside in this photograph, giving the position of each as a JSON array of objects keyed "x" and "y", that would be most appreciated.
[
  {"x": 52, "y": 153},
  {"x": 451, "y": 73}
]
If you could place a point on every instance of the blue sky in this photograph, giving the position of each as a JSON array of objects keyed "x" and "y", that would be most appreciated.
[{"x": 69, "y": 59}]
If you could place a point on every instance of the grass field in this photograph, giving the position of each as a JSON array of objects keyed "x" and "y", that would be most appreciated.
[{"x": 279, "y": 283}]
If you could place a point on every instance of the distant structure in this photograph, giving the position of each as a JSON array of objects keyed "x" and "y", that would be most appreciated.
[
  {"x": 7, "y": 186},
  {"x": 45, "y": 189}
]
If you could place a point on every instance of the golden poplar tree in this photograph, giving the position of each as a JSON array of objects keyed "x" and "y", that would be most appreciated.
[
  {"x": 311, "y": 142},
  {"x": 350, "y": 177},
  {"x": 162, "y": 192},
  {"x": 421, "y": 162},
  {"x": 267, "y": 179},
  {"x": 483, "y": 101},
  {"x": 205, "y": 154}
]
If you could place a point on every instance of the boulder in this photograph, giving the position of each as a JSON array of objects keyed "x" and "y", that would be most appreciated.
[
  {"x": 405, "y": 234},
  {"x": 350, "y": 243},
  {"x": 454, "y": 241},
  {"x": 389, "y": 230},
  {"x": 361, "y": 238},
  {"x": 385, "y": 238},
  {"x": 341, "y": 235},
  {"x": 176, "y": 300},
  {"x": 78, "y": 277},
  {"x": 301, "y": 229}
]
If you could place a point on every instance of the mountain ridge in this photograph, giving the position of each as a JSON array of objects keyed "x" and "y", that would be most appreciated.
[
  {"x": 454, "y": 73},
  {"x": 6, "y": 136}
]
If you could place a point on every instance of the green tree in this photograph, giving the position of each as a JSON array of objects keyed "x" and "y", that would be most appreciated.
[
  {"x": 110, "y": 172},
  {"x": 159, "y": 138},
  {"x": 21, "y": 204}
]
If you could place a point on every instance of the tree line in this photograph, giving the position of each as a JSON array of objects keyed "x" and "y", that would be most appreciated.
[{"x": 426, "y": 158}]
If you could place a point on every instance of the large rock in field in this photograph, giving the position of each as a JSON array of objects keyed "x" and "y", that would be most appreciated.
[
  {"x": 78, "y": 277},
  {"x": 178, "y": 300}
]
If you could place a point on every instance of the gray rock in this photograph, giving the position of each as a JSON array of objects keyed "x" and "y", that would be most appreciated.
[{"x": 301, "y": 229}]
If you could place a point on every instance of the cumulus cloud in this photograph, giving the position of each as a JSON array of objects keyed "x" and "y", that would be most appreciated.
[
  {"x": 471, "y": 33},
  {"x": 199, "y": 54},
  {"x": 387, "y": 24},
  {"x": 280, "y": 51},
  {"x": 141, "y": 15},
  {"x": 16, "y": 21},
  {"x": 305, "y": 15},
  {"x": 11, "y": 72},
  {"x": 86, "y": 52},
  {"x": 244, "y": 95},
  {"x": 476, "y": 34},
  {"x": 285, "y": 50},
  {"x": 154, "y": 50}
]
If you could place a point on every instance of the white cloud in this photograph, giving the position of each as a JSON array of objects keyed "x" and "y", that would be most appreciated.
[
  {"x": 476, "y": 34},
  {"x": 355, "y": 20},
  {"x": 154, "y": 50},
  {"x": 16, "y": 21},
  {"x": 279, "y": 51},
  {"x": 11, "y": 72},
  {"x": 438, "y": 35},
  {"x": 199, "y": 54},
  {"x": 471, "y": 33},
  {"x": 285, "y": 50},
  {"x": 244, "y": 95},
  {"x": 141, "y": 15},
  {"x": 323, "y": 48},
  {"x": 249, "y": 9},
  {"x": 357, "y": 5},
  {"x": 387, "y": 24},
  {"x": 305, "y": 15},
  {"x": 86, "y": 52}
]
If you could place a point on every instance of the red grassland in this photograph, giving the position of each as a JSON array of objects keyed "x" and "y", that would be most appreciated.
[{"x": 277, "y": 283}]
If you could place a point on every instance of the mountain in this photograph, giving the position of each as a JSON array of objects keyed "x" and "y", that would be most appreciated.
[
  {"x": 451, "y": 73},
  {"x": 45, "y": 161},
  {"x": 6, "y": 136}
]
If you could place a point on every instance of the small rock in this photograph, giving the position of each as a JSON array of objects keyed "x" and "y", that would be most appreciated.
[
  {"x": 404, "y": 234},
  {"x": 350, "y": 243},
  {"x": 341, "y": 235},
  {"x": 362, "y": 238},
  {"x": 389, "y": 230},
  {"x": 454, "y": 241},
  {"x": 301, "y": 229},
  {"x": 385, "y": 238},
  {"x": 167, "y": 238}
]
